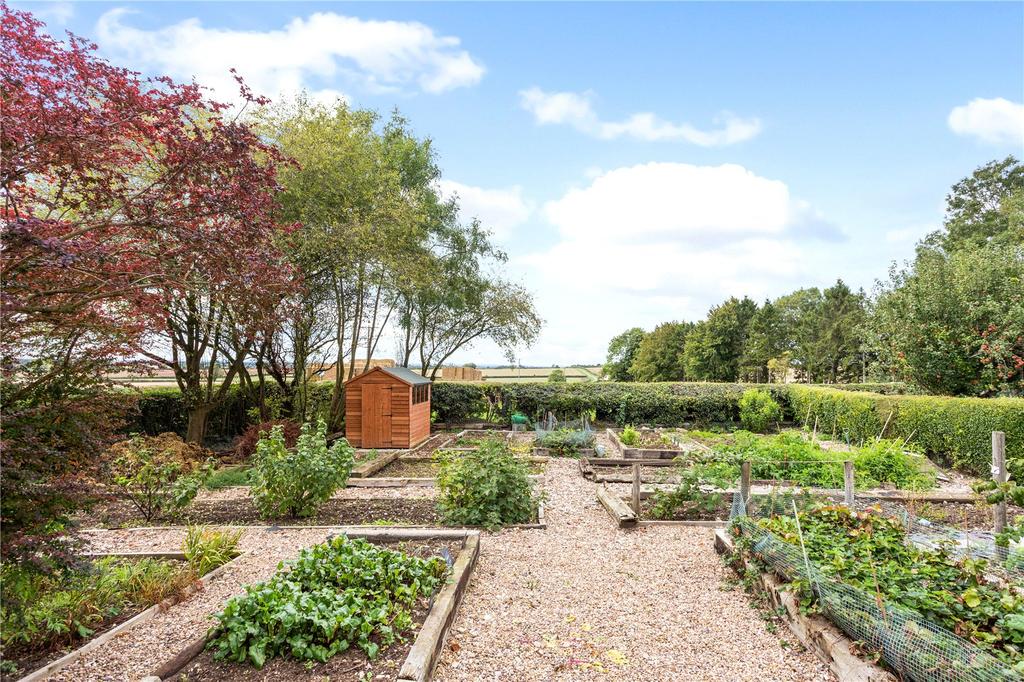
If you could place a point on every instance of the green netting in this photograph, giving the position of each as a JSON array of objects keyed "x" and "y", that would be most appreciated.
[
  {"x": 576, "y": 433},
  {"x": 908, "y": 643}
]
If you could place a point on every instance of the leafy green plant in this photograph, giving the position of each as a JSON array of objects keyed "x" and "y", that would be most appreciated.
[
  {"x": 886, "y": 461},
  {"x": 758, "y": 411},
  {"x": 870, "y": 551},
  {"x": 698, "y": 495},
  {"x": 40, "y": 611},
  {"x": 335, "y": 595},
  {"x": 158, "y": 480},
  {"x": 487, "y": 487},
  {"x": 566, "y": 442},
  {"x": 207, "y": 548},
  {"x": 296, "y": 482},
  {"x": 629, "y": 436}
]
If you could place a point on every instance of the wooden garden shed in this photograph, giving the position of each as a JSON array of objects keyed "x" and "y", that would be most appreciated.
[{"x": 387, "y": 407}]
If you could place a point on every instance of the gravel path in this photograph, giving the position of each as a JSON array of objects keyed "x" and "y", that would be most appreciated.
[
  {"x": 584, "y": 600},
  {"x": 581, "y": 600}
]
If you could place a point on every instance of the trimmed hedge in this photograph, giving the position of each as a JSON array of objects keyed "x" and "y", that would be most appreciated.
[{"x": 956, "y": 429}]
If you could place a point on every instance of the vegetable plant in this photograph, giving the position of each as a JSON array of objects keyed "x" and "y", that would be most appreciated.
[
  {"x": 488, "y": 487},
  {"x": 336, "y": 595},
  {"x": 296, "y": 482},
  {"x": 698, "y": 494},
  {"x": 566, "y": 442},
  {"x": 629, "y": 436}
]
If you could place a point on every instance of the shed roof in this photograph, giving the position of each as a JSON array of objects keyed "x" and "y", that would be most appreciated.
[{"x": 403, "y": 374}]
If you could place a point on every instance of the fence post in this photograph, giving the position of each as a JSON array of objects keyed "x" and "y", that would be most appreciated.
[
  {"x": 999, "y": 476},
  {"x": 636, "y": 490},
  {"x": 848, "y": 482},
  {"x": 745, "y": 484}
]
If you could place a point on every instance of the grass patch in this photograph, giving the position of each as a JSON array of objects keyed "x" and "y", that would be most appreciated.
[{"x": 230, "y": 477}]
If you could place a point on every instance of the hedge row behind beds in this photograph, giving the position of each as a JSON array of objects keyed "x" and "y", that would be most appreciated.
[{"x": 957, "y": 429}]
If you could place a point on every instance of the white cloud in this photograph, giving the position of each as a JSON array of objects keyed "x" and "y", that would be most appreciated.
[
  {"x": 54, "y": 12},
  {"x": 499, "y": 210},
  {"x": 995, "y": 121},
  {"x": 575, "y": 109},
  {"x": 309, "y": 53},
  {"x": 644, "y": 244}
]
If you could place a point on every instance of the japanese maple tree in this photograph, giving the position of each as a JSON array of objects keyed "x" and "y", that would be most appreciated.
[{"x": 138, "y": 222}]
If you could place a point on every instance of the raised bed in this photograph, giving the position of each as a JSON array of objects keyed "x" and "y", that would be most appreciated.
[
  {"x": 623, "y": 510},
  {"x": 639, "y": 452},
  {"x": 418, "y": 664},
  {"x": 148, "y": 614},
  {"x": 816, "y": 633},
  {"x": 369, "y": 467},
  {"x": 409, "y": 470}
]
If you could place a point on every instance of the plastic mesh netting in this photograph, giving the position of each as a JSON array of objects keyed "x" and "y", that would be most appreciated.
[
  {"x": 908, "y": 643},
  {"x": 572, "y": 433}
]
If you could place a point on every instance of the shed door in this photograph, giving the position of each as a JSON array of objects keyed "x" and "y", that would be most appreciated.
[{"x": 376, "y": 416}]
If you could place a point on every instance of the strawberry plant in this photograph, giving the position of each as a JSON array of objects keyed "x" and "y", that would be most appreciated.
[{"x": 336, "y": 595}]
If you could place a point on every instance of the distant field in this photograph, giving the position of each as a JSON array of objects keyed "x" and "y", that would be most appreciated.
[{"x": 527, "y": 374}]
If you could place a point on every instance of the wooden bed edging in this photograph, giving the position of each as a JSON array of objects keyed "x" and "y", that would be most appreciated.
[
  {"x": 411, "y": 481},
  {"x": 632, "y": 453},
  {"x": 817, "y": 633},
  {"x": 619, "y": 510},
  {"x": 138, "y": 619},
  {"x": 422, "y": 657},
  {"x": 368, "y": 468}
]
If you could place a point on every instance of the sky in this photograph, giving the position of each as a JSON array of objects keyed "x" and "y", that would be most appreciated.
[{"x": 638, "y": 162}]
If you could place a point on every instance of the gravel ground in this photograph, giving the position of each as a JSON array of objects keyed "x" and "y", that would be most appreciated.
[
  {"x": 583, "y": 600},
  {"x": 579, "y": 601}
]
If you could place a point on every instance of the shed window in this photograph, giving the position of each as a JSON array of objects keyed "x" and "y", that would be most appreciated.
[{"x": 420, "y": 394}]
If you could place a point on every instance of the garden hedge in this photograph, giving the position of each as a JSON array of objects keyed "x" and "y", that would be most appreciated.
[{"x": 958, "y": 430}]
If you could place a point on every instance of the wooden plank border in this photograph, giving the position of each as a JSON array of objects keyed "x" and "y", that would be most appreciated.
[
  {"x": 620, "y": 512},
  {"x": 422, "y": 658},
  {"x": 138, "y": 619},
  {"x": 817, "y": 633},
  {"x": 640, "y": 453}
]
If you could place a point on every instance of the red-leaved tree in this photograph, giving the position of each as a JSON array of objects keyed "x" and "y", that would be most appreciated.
[{"x": 137, "y": 222}]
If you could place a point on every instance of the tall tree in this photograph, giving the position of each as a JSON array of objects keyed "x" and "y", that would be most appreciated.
[
  {"x": 952, "y": 320},
  {"x": 621, "y": 353},
  {"x": 715, "y": 346},
  {"x": 766, "y": 341},
  {"x": 660, "y": 356}
]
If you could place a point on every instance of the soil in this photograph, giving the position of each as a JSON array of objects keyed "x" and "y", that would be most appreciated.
[
  {"x": 402, "y": 469},
  {"x": 721, "y": 513},
  {"x": 349, "y": 665},
  {"x": 647, "y": 474},
  {"x": 241, "y": 511}
]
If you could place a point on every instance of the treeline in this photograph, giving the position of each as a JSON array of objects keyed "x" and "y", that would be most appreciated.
[{"x": 950, "y": 322}]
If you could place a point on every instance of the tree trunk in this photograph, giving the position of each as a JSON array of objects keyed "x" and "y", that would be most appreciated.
[{"x": 197, "y": 418}]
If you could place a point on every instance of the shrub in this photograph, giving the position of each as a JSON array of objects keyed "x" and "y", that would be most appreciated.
[
  {"x": 758, "y": 411},
  {"x": 205, "y": 548},
  {"x": 296, "y": 482},
  {"x": 629, "y": 436},
  {"x": 161, "y": 474},
  {"x": 335, "y": 595},
  {"x": 246, "y": 446},
  {"x": 487, "y": 487}
]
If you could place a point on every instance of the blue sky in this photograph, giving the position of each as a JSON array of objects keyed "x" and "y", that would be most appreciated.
[{"x": 641, "y": 162}]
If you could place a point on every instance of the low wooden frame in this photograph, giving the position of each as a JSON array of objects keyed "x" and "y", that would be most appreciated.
[
  {"x": 627, "y": 452},
  {"x": 422, "y": 657},
  {"x": 623, "y": 512},
  {"x": 138, "y": 619},
  {"x": 816, "y": 633},
  {"x": 370, "y": 467}
]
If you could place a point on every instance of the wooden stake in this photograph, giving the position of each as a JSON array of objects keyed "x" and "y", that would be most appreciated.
[
  {"x": 999, "y": 476},
  {"x": 636, "y": 490},
  {"x": 745, "y": 484},
  {"x": 848, "y": 482}
]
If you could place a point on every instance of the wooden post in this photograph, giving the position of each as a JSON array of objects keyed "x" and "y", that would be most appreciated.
[
  {"x": 745, "y": 484},
  {"x": 848, "y": 482},
  {"x": 999, "y": 476},
  {"x": 636, "y": 490}
]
